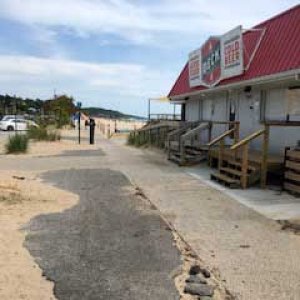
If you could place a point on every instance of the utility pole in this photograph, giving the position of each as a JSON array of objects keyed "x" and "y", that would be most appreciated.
[
  {"x": 149, "y": 113},
  {"x": 79, "y": 117},
  {"x": 15, "y": 114}
]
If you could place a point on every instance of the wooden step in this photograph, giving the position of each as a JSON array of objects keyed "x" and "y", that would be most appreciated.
[
  {"x": 292, "y": 165},
  {"x": 232, "y": 171},
  {"x": 292, "y": 176},
  {"x": 238, "y": 164},
  {"x": 226, "y": 180},
  {"x": 292, "y": 187},
  {"x": 193, "y": 151},
  {"x": 293, "y": 154},
  {"x": 175, "y": 159},
  {"x": 189, "y": 159}
]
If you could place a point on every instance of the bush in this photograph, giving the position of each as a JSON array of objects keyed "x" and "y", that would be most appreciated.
[
  {"x": 42, "y": 134},
  {"x": 37, "y": 133},
  {"x": 136, "y": 139},
  {"x": 53, "y": 136},
  {"x": 17, "y": 144}
]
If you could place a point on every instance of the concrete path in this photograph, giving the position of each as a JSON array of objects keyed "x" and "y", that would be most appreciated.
[
  {"x": 254, "y": 257},
  {"x": 272, "y": 202}
]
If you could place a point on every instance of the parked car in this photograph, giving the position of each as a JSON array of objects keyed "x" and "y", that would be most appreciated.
[
  {"x": 16, "y": 124},
  {"x": 8, "y": 117}
]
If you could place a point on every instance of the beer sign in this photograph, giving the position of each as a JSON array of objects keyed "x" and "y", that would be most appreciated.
[
  {"x": 195, "y": 68},
  {"x": 232, "y": 53},
  {"x": 218, "y": 58}
]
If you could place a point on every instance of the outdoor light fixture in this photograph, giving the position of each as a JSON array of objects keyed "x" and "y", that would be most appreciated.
[{"x": 248, "y": 91}]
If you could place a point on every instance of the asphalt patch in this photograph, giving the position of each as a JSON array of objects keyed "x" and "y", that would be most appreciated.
[
  {"x": 82, "y": 153},
  {"x": 105, "y": 247}
]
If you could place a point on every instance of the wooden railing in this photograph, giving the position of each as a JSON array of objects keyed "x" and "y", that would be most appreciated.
[
  {"x": 177, "y": 133},
  {"x": 173, "y": 117},
  {"x": 153, "y": 134},
  {"x": 233, "y": 131},
  {"x": 232, "y": 125},
  {"x": 221, "y": 140},
  {"x": 190, "y": 135},
  {"x": 244, "y": 144}
]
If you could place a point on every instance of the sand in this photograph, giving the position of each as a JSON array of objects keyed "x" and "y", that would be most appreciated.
[{"x": 20, "y": 200}]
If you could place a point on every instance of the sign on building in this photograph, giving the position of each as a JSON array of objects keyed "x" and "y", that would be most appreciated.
[
  {"x": 195, "y": 68},
  {"x": 217, "y": 59},
  {"x": 232, "y": 53}
]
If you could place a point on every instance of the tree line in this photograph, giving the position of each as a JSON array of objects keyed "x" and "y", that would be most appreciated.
[{"x": 59, "y": 108}]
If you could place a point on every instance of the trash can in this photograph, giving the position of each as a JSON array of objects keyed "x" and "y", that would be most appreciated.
[{"x": 92, "y": 131}]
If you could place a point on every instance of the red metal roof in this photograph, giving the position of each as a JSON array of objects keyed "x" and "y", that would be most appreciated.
[{"x": 279, "y": 51}]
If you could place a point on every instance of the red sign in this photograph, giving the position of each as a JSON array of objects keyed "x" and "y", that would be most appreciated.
[
  {"x": 219, "y": 57},
  {"x": 211, "y": 61}
]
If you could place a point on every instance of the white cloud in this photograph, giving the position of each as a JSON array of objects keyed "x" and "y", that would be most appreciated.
[
  {"x": 141, "y": 22},
  {"x": 32, "y": 76}
]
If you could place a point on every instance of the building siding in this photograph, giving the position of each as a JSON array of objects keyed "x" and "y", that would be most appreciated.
[{"x": 248, "y": 112}]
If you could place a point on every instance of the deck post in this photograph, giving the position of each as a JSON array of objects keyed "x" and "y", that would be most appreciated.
[
  {"x": 245, "y": 166},
  {"x": 264, "y": 162},
  {"x": 221, "y": 154},
  {"x": 210, "y": 131},
  {"x": 182, "y": 150},
  {"x": 169, "y": 146},
  {"x": 236, "y": 138}
]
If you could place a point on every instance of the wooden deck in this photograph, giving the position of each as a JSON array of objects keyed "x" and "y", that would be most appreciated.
[{"x": 275, "y": 162}]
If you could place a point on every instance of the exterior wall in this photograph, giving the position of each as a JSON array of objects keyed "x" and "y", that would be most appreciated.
[
  {"x": 215, "y": 109},
  {"x": 253, "y": 110},
  {"x": 250, "y": 111},
  {"x": 275, "y": 109},
  {"x": 192, "y": 110}
]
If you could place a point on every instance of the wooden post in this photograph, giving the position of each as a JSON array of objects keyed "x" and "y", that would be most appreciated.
[
  {"x": 182, "y": 150},
  {"x": 210, "y": 132},
  {"x": 209, "y": 160},
  {"x": 150, "y": 137},
  {"x": 236, "y": 138},
  {"x": 264, "y": 162},
  {"x": 169, "y": 147},
  {"x": 244, "y": 177},
  {"x": 221, "y": 154}
]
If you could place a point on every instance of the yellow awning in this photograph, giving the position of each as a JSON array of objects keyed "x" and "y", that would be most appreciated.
[{"x": 161, "y": 99}]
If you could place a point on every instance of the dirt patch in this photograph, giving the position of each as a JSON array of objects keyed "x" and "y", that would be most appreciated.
[{"x": 20, "y": 200}]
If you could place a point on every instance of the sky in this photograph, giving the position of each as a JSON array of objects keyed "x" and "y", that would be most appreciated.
[{"x": 112, "y": 53}]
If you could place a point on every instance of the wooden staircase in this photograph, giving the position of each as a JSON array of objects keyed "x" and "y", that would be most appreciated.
[
  {"x": 292, "y": 171},
  {"x": 192, "y": 155},
  {"x": 186, "y": 150},
  {"x": 231, "y": 175},
  {"x": 238, "y": 171}
]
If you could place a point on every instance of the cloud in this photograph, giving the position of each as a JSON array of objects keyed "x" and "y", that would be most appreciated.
[
  {"x": 28, "y": 75},
  {"x": 141, "y": 21}
]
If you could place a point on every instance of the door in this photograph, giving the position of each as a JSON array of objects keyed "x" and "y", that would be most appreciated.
[{"x": 249, "y": 116}]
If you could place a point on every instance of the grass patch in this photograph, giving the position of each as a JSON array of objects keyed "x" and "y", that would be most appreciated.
[
  {"x": 137, "y": 140},
  {"x": 43, "y": 134},
  {"x": 17, "y": 144}
]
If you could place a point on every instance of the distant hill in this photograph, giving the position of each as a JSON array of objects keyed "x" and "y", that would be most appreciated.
[{"x": 108, "y": 113}]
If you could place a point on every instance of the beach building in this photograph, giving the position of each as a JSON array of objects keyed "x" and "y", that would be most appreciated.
[{"x": 240, "y": 98}]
